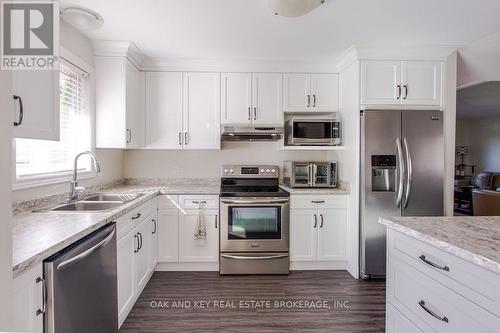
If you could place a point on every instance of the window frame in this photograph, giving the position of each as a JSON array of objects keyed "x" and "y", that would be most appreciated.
[{"x": 62, "y": 177}]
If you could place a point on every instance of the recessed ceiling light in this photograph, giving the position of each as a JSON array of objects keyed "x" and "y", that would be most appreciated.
[
  {"x": 82, "y": 18},
  {"x": 293, "y": 8}
]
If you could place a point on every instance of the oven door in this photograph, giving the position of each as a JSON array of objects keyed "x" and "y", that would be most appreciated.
[
  {"x": 254, "y": 224},
  {"x": 315, "y": 132}
]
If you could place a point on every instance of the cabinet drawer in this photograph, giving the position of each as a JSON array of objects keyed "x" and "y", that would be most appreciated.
[
  {"x": 473, "y": 282},
  {"x": 396, "y": 322},
  {"x": 317, "y": 201},
  {"x": 194, "y": 201},
  {"x": 132, "y": 219},
  {"x": 416, "y": 294},
  {"x": 168, "y": 202}
]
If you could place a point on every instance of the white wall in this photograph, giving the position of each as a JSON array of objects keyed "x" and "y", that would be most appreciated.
[
  {"x": 207, "y": 164},
  {"x": 111, "y": 160},
  {"x": 482, "y": 135},
  {"x": 5, "y": 199}
]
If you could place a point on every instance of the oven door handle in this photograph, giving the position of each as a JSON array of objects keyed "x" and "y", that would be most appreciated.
[
  {"x": 254, "y": 202},
  {"x": 278, "y": 256}
]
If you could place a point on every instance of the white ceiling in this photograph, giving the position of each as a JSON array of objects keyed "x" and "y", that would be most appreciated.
[
  {"x": 481, "y": 100},
  {"x": 247, "y": 30}
]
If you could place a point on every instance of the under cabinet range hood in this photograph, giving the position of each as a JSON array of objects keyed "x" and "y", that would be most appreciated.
[{"x": 249, "y": 133}]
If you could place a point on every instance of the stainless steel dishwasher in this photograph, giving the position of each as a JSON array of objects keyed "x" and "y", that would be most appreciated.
[{"x": 81, "y": 293}]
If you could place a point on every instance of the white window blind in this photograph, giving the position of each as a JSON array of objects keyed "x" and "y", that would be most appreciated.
[{"x": 44, "y": 159}]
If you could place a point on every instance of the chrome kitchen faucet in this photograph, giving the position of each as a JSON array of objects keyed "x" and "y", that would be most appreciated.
[{"x": 76, "y": 191}]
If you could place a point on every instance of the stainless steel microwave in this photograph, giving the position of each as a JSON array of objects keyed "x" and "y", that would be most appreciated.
[
  {"x": 310, "y": 174},
  {"x": 313, "y": 131}
]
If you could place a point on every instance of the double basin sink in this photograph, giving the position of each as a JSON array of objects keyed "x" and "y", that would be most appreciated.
[{"x": 97, "y": 202}]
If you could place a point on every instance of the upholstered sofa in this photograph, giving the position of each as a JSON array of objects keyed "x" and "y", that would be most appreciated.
[{"x": 486, "y": 194}]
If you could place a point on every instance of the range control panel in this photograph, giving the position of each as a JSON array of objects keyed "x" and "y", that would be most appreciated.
[{"x": 250, "y": 171}]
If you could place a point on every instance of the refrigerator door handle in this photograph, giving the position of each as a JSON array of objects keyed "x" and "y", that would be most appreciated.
[
  {"x": 401, "y": 172},
  {"x": 410, "y": 173}
]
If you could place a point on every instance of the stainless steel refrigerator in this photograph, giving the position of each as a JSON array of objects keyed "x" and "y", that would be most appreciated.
[{"x": 402, "y": 173}]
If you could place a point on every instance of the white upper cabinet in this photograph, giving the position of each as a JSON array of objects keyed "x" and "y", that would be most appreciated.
[
  {"x": 252, "y": 98},
  {"x": 421, "y": 83},
  {"x": 410, "y": 83},
  {"x": 119, "y": 103},
  {"x": 267, "y": 97},
  {"x": 311, "y": 92},
  {"x": 35, "y": 104},
  {"x": 236, "y": 98},
  {"x": 324, "y": 92},
  {"x": 164, "y": 110},
  {"x": 201, "y": 116}
]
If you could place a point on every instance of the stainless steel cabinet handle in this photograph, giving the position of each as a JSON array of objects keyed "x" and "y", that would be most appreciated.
[
  {"x": 406, "y": 91},
  {"x": 249, "y": 113},
  {"x": 44, "y": 296},
  {"x": 401, "y": 172},
  {"x": 216, "y": 218},
  {"x": 254, "y": 113},
  {"x": 314, "y": 101},
  {"x": 430, "y": 263},
  {"x": 137, "y": 216},
  {"x": 422, "y": 305},
  {"x": 399, "y": 91},
  {"x": 154, "y": 224},
  {"x": 140, "y": 240},
  {"x": 315, "y": 221},
  {"x": 321, "y": 218},
  {"x": 136, "y": 237},
  {"x": 317, "y": 201},
  {"x": 409, "y": 178},
  {"x": 21, "y": 112},
  {"x": 186, "y": 138},
  {"x": 129, "y": 136},
  {"x": 198, "y": 202},
  {"x": 180, "y": 138},
  {"x": 308, "y": 100},
  {"x": 70, "y": 262},
  {"x": 228, "y": 256}
]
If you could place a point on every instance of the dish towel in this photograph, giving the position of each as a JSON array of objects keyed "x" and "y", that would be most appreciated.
[{"x": 201, "y": 228}]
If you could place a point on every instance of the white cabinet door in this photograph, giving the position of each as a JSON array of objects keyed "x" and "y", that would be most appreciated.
[
  {"x": 164, "y": 110},
  {"x": 267, "y": 95},
  {"x": 27, "y": 301},
  {"x": 421, "y": 83},
  {"x": 38, "y": 91},
  {"x": 236, "y": 98},
  {"x": 126, "y": 246},
  {"x": 153, "y": 244},
  {"x": 380, "y": 82},
  {"x": 198, "y": 250},
  {"x": 135, "y": 105},
  {"x": 325, "y": 92},
  {"x": 297, "y": 92},
  {"x": 201, "y": 111},
  {"x": 303, "y": 234},
  {"x": 142, "y": 262},
  {"x": 168, "y": 236},
  {"x": 332, "y": 234}
]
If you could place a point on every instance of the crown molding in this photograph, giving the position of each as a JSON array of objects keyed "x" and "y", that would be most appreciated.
[
  {"x": 114, "y": 48},
  {"x": 406, "y": 51}
]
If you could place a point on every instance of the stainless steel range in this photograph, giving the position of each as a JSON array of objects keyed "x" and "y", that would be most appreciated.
[{"x": 254, "y": 221}]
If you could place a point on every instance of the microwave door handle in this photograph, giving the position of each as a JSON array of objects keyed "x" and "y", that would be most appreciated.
[
  {"x": 309, "y": 169},
  {"x": 314, "y": 173}
]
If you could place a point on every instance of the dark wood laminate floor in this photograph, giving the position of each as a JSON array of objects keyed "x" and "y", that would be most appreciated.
[{"x": 351, "y": 305}]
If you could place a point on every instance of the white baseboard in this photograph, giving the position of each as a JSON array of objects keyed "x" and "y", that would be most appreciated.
[
  {"x": 187, "y": 266},
  {"x": 318, "y": 265}
]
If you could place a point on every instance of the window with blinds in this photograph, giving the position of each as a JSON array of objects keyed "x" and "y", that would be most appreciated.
[{"x": 41, "y": 159}]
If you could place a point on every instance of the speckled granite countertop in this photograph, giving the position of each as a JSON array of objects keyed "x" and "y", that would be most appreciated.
[
  {"x": 36, "y": 236},
  {"x": 475, "y": 238}
]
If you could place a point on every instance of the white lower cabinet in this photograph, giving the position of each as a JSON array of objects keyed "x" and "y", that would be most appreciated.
[
  {"x": 28, "y": 301},
  {"x": 136, "y": 256},
  {"x": 318, "y": 230},
  {"x": 178, "y": 247},
  {"x": 423, "y": 294},
  {"x": 198, "y": 250}
]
